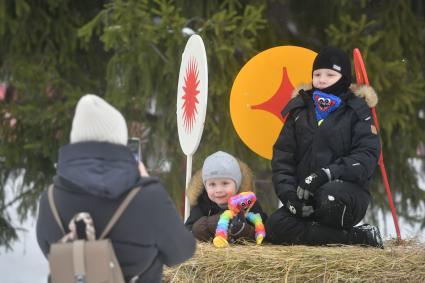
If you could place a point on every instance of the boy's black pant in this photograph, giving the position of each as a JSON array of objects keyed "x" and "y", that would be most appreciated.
[{"x": 338, "y": 206}]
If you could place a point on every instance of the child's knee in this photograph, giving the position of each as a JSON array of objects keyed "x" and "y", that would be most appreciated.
[
  {"x": 333, "y": 212},
  {"x": 283, "y": 227}
]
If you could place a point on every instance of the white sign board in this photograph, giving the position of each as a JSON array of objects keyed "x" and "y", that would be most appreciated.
[{"x": 192, "y": 94}]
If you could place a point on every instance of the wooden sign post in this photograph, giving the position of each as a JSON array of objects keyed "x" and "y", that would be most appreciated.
[{"x": 192, "y": 96}]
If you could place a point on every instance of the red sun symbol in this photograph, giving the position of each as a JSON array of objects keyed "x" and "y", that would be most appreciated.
[{"x": 191, "y": 83}]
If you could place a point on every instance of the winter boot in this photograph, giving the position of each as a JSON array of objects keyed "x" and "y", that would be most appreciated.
[{"x": 367, "y": 235}]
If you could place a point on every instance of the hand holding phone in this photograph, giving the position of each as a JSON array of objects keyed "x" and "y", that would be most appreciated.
[
  {"x": 142, "y": 170},
  {"x": 134, "y": 146}
]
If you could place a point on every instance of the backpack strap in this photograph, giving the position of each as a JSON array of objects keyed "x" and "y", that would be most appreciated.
[
  {"x": 54, "y": 208},
  {"x": 78, "y": 260},
  {"x": 119, "y": 211}
]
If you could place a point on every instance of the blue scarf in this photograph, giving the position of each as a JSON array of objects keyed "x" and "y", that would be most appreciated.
[{"x": 324, "y": 104}]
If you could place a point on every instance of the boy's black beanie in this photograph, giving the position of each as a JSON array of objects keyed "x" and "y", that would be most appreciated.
[{"x": 334, "y": 59}]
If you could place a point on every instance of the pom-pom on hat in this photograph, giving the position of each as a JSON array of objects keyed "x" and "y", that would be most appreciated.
[
  {"x": 96, "y": 120},
  {"x": 221, "y": 165}
]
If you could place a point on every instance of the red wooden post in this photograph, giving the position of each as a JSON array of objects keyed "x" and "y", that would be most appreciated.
[{"x": 361, "y": 77}]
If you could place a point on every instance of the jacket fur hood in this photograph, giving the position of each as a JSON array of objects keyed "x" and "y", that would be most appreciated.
[
  {"x": 363, "y": 91},
  {"x": 196, "y": 186}
]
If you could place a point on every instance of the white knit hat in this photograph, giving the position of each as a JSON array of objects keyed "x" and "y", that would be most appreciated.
[{"x": 96, "y": 120}]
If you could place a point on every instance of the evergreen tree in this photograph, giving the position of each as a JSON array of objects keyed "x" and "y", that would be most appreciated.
[
  {"x": 129, "y": 52},
  {"x": 147, "y": 39},
  {"x": 389, "y": 36},
  {"x": 43, "y": 62}
]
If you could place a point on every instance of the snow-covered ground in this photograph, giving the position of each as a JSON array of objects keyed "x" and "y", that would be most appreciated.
[{"x": 27, "y": 264}]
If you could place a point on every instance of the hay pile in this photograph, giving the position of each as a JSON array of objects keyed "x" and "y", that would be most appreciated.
[{"x": 269, "y": 263}]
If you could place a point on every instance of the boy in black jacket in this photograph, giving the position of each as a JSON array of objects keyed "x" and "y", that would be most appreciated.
[{"x": 324, "y": 158}]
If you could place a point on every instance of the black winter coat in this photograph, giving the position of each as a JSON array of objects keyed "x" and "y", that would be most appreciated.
[
  {"x": 95, "y": 177},
  {"x": 206, "y": 207},
  {"x": 346, "y": 142}
]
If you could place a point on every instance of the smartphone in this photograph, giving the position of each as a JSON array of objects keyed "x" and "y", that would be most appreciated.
[{"x": 134, "y": 146}]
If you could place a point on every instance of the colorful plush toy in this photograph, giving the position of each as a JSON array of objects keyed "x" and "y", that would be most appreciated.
[{"x": 240, "y": 203}]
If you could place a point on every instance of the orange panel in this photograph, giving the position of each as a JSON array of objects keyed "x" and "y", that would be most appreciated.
[{"x": 261, "y": 90}]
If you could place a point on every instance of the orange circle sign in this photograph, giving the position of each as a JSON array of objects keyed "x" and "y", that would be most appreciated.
[{"x": 261, "y": 90}]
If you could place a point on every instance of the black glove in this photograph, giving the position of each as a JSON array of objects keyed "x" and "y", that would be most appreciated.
[
  {"x": 297, "y": 207},
  {"x": 311, "y": 183}
]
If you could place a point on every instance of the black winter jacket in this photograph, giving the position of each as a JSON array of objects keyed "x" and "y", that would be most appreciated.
[
  {"x": 206, "y": 207},
  {"x": 346, "y": 142},
  {"x": 95, "y": 177}
]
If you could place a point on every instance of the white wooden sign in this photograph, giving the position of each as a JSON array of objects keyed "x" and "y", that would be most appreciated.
[{"x": 192, "y": 96}]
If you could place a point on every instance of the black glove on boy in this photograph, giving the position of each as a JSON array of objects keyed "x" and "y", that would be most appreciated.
[{"x": 312, "y": 182}]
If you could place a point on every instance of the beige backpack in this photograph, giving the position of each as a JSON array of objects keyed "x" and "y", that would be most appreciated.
[{"x": 72, "y": 260}]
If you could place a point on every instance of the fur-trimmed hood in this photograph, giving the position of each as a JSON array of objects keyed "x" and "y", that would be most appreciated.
[
  {"x": 364, "y": 91},
  {"x": 196, "y": 186}
]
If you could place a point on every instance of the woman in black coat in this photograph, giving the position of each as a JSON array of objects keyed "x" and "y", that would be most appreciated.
[{"x": 324, "y": 159}]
